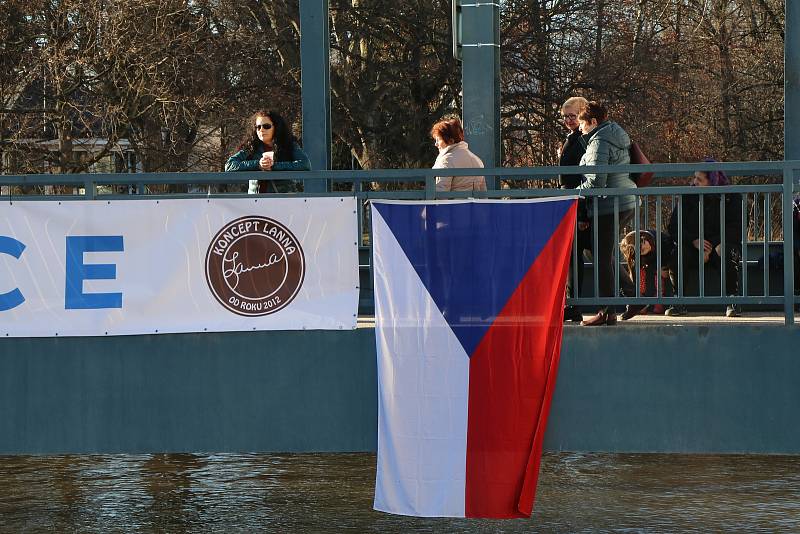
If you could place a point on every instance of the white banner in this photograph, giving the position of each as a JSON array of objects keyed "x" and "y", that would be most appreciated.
[{"x": 94, "y": 268}]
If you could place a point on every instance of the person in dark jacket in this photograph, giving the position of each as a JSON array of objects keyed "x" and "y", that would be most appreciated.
[
  {"x": 711, "y": 248},
  {"x": 268, "y": 145},
  {"x": 649, "y": 270},
  {"x": 570, "y": 154},
  {"x": 572, "y": 149}
]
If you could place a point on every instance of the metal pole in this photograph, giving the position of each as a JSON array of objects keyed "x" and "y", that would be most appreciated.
[
  {"x": 791, "y": 137},
  {"x": 791, "y": 72},
  {"x": 316, "y": 87},
  {"x": 481, "y": 81},
  {"x": 788, "y": 247}
]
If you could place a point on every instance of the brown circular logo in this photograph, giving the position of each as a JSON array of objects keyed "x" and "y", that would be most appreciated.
[{"x": 255, "y": 266}]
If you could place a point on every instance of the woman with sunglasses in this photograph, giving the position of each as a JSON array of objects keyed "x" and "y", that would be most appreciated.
[
  {"x": 569, "y": 154},
  {"x": 268, "y": 145}
]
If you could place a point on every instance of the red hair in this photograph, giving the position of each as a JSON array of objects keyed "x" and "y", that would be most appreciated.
[{"x": 450, "y": 130}]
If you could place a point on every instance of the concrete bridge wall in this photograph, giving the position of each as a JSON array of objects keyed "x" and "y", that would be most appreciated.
[{"x": 719, "y": 388}]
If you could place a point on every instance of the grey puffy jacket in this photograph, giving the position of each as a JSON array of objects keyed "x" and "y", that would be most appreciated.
[{"x": 608, "y": 144}]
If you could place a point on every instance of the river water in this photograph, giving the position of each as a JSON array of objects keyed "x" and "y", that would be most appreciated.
[{"x": 333, "y": 493}]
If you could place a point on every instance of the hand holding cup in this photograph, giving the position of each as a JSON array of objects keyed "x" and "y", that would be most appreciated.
[{"x": 267, "y": 158}]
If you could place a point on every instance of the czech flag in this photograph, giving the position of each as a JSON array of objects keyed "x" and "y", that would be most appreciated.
[{"x": 469, "y": 300}]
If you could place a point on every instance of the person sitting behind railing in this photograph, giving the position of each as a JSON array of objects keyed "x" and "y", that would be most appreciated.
[
  {"x": 268, "y": 145},
  {"x": 606, "y": 144},
  {"x": 454, "y": 153},
  {"x": 711, "y": 246},
  {"x": 648, "y": 271}
]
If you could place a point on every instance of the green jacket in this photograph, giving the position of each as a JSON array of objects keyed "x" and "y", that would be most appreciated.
[
  {"x": 241, "y": 162},
  {"x": 608, "y": 144}
]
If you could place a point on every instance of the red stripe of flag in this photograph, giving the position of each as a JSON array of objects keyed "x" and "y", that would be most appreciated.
[{"x": 511, "y": 380}]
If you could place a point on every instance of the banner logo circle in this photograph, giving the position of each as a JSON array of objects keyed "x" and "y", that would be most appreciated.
[{"x": 255, "y": 266}]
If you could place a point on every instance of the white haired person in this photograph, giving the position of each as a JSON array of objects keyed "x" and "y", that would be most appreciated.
[{"x": 570, "y": 154}]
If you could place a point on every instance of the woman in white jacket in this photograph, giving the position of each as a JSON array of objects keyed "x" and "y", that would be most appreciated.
[{"x": 448, "y": 136}]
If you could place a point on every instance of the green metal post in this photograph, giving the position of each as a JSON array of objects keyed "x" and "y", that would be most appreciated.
[
  {"x": 316, "y": 87},
  {"x": 481, "y": 81},
  {"x": 791, "y": 139},
  {"x": 90, "y": 189},
  {"x": 788, "y": 246},
  {"x": 791, "y": 71}
]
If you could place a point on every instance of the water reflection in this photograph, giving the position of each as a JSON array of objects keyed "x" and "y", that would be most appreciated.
[{"x": 333, "y": 493}]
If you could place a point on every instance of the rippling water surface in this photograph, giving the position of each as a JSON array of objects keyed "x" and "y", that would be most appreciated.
[{"x": 333, "y": 493}]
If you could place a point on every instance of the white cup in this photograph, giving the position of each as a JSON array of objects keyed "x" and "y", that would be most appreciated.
[{"x": 269, "y": 154}]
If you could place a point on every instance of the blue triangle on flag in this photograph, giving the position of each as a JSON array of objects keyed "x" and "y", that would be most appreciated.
[{"x": 471, "y": 256}]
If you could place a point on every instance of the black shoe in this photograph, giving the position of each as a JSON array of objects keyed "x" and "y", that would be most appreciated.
[
  {"x": 572, "y": 314},
  {"x": 632, "y": 311}
]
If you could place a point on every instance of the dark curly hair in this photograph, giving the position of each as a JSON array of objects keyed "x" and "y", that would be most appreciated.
[{"x": 283, "y": 140}]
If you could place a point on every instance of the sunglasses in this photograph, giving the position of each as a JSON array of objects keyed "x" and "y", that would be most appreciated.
[
  {"x": 569, "y": 117},
  {"x": 265, "y": 126}
]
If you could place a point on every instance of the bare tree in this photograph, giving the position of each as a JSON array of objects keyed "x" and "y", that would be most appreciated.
[{"x": 686, "y": 78}]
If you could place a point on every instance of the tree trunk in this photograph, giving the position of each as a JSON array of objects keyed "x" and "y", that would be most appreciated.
[{"x": 598, "y": 40}]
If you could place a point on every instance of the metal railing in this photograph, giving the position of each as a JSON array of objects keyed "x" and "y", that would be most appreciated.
[{"x": 420, "y": 184}]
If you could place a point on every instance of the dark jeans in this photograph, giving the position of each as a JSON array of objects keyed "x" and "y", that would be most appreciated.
[
  {"x": 797, "y": 254},
  {"x": 691, "y": 260},
  {"x": 797, "y": 272},
  {"x": 584, "y": 242},
  {"x": 607, "y": 242}
]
